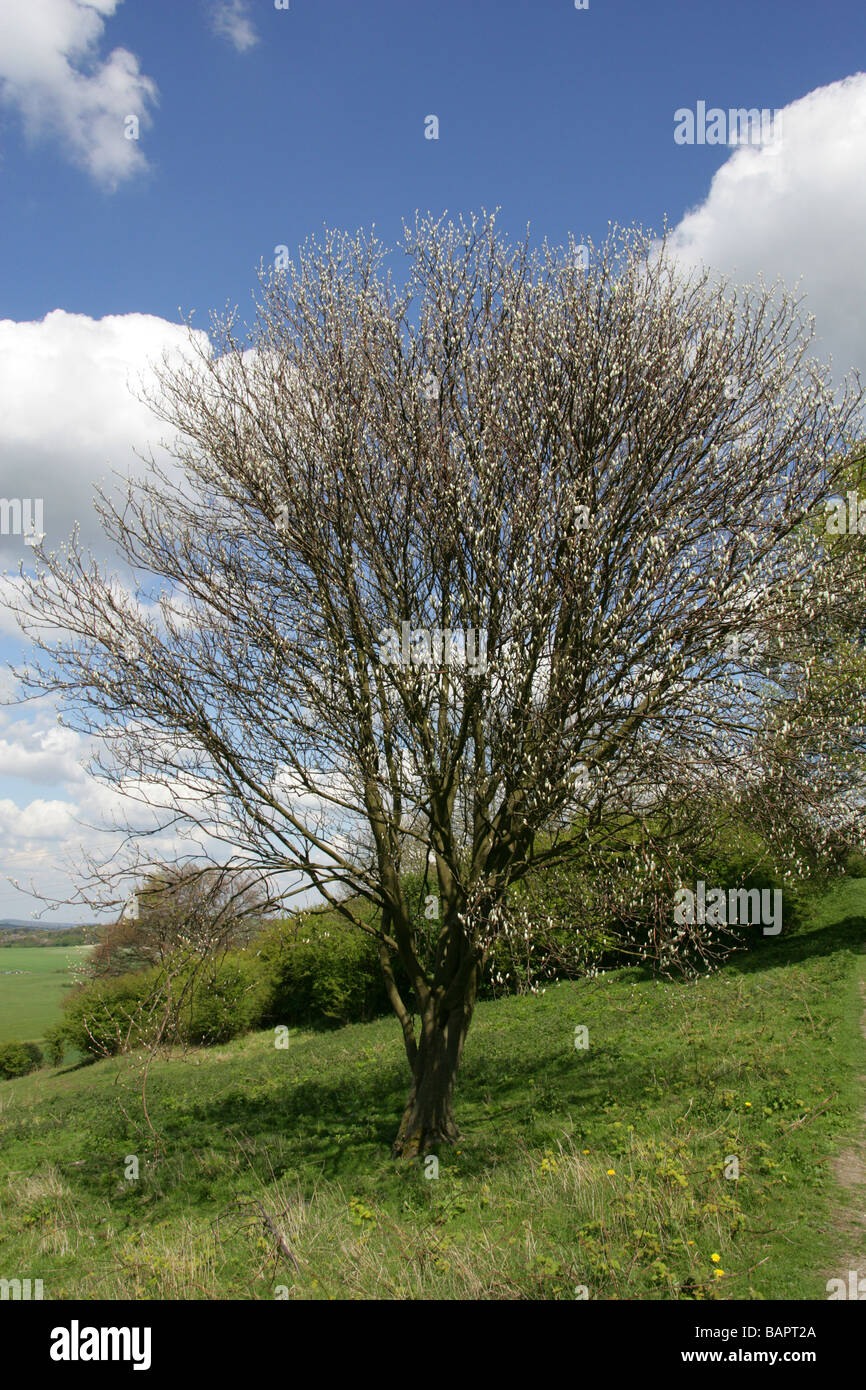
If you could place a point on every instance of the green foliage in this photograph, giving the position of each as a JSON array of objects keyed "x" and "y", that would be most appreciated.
[
  {"x": 208, "y": 1004},
  {"x": 855, "y": 864},
  {"x": 105, "y": 1017},
  {"x": 741, "y": 858},
  {"x": 19, "y": 1058},
  {"x": 56, "y": 1045},
  {"x": 228, "y": 999},
  {"x": 32, "y": 937},
  {"x": 726, "y": 854},
  {"x": 309, "y": 970},
  {"x": 320, "y": 970}
]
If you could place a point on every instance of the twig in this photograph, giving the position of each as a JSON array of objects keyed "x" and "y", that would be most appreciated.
[
  {"x": 811, "y": 1116},
  {"x": 277, "y": 1235}
]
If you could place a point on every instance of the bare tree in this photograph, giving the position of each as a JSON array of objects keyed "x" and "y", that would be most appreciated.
[
  {"x": 180, "y": 909},
  {"x": 453, "y": 575}
]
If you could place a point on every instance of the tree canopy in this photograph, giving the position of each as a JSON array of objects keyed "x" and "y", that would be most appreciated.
[{"x": 463, "y": 571}]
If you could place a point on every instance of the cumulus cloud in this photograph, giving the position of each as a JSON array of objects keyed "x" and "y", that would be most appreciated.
[
  {"x": 232, "y": 22},
  {"x": 41, "y": 755},
  {"x": 54, "y": 816},
  {"x": 69, "y": 415},
  {"x": 43, "y": 790},
  {"x": 40, "y": 820},
  {"x": 796, "y": 208},
  {"x": 51, "y": 72}
]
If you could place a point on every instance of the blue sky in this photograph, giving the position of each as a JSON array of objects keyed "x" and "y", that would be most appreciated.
[
  {"x": 257, "y": 126},
  {"x": 563, "y": 118}
]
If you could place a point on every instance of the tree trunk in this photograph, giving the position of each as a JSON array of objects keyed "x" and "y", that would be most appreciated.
[{"x": 428, "y": 1120}]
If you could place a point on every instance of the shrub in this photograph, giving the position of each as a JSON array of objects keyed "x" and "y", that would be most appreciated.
[
  {"x": 213, "y": 1003},
  {"x": 106, "y": 1017},
  {"x": 321, "y": 971},
  {"x": 55, "y": 1045},
  {"x": 230, "y": 998},
  {"x": 19, "y": 1058},
  {"x": 855, "y": 864}
]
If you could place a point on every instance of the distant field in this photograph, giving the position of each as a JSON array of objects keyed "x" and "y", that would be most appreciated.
[{"x": 31, "y": 1002}]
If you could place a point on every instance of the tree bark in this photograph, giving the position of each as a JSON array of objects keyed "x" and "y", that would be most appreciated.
[{"x": 428, "y": 1119}]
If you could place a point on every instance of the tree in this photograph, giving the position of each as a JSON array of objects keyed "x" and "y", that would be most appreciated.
[
  {"x": 452, "y": 577},
  {"x": 178, "y": 908},
  {"x": 813, "y": 674}
]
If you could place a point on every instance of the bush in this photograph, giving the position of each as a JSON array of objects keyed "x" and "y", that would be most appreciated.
[
  {"x": 19, "y": 1058},
  {"x": 321, "y": 971},
  {"x": 583, "y": 922},
  {"x": 55, "y": 1045},
  {"x": 106, "y": 1017},
  {"x": 855, "y": 864},
  {"x": 227, "y": 1000},
  {"x": 215, "y": 1002}
]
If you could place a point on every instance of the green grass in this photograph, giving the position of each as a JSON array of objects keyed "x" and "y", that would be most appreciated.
[
  {"x": 601, "y": 1168},
  {"x": 30, "y": 1002}
]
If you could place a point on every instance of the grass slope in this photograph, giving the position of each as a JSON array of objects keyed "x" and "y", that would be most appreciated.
[{"x": 599, "y": 1170}]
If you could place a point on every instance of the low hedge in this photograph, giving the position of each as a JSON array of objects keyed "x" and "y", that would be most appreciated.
[{"x": 18, "y": 1059}]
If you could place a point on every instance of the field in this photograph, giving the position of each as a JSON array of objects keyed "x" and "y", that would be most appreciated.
[
  {"x": 31, "y": 1002},
  {"x": 603, "y": 1172}
]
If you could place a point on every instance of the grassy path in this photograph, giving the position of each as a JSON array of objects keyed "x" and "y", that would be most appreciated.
[{"x": 849, "y": 1168}]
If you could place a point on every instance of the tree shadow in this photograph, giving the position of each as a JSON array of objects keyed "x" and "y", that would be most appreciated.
[
  {"x": 791, "y": 947},
  {"x": 327, "y": 1123},
  {"x": 848, "y": 934},
  {"x": 337, "y": 1124}
]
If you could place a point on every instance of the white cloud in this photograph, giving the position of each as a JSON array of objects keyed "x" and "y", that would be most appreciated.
[
  {"x": 45, "y": 841},
  {"x": 69, "y": 415},
  {"x": 51, "y": 72},
  {"x": 37, "y": 755},
  {"x": 797, "y": 208},
  {"x": 232, "y": 22},
  {"x": 40, "y": 820}
]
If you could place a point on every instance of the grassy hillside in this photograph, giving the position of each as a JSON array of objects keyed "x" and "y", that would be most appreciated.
[
  {"x": 601, "y": 1168},
  {"x": 32, "y": 982}
]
